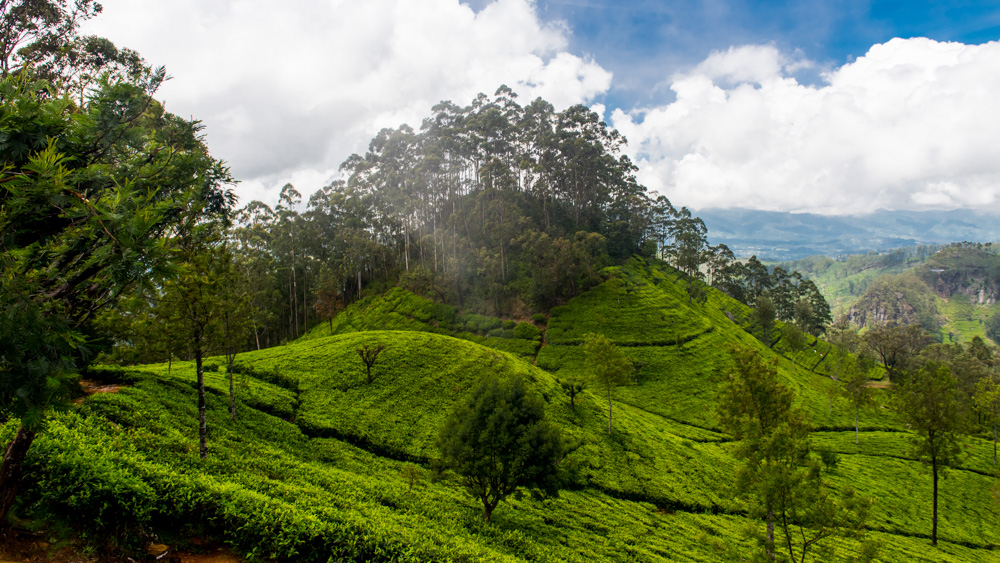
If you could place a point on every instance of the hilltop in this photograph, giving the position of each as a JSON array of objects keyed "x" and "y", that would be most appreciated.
[{"x": 318, "y": 462}]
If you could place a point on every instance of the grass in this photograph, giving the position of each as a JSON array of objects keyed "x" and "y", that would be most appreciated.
[{"x": 320, "y": 463}]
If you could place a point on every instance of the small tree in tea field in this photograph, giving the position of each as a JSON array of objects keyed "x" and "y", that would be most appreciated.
[{"x": 499, "y": 441}]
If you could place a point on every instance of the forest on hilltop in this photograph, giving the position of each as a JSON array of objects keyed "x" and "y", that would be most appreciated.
[{"x": 494, "y": 208}]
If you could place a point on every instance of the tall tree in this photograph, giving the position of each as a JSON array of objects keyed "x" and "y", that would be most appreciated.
[
  {"x": 607, "y": 364},
  {"x": 988, "y": 401},
  {"x": 763, "y": 320},
  {"x": 234, "y": 310},
  {"x": 193, "y": 294},
  {"x": 929, "y": 403},
  {"x": 856, "y": 390},
  {"x": 795, "y": 341},
  {"x": 779, "y": 478},
  {"x": 897, "y": 346}
]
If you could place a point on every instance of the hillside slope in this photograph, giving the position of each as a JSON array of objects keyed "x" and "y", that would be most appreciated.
[
  {"x": 319, "y": 462},
  {"x": 952, "y": 294},
  {"x": 845, "y": 279}
]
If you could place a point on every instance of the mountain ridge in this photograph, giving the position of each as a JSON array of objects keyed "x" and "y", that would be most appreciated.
[{"x": 779, "y": 235}]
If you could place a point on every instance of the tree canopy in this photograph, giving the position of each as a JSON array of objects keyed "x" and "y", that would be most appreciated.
[
  {"x": 499, "y": 441},
  {"x": 92, "y": 188}
]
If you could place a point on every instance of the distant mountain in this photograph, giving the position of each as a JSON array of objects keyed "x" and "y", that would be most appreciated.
[{"x": 777, "y": 235}]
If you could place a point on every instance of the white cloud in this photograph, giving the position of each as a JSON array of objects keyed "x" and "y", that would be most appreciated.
[
  {"x": 911, "y": 125},
  {"x": 288, "y": 90}
]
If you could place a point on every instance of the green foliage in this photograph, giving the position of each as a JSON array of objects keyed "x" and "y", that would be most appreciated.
[
  {"x": 316, "y": 463},
  {"x": 856, "y": 390},
  {"x": 572, "y": 389},
  {"x": 92, "y": 188},
  {"x": 764, "y": 316},
  {"x": 399, "y": 309},
  {"x": 897, "y": 347},
  {"x": 782, "y": 483},
  {"x": 369, "y": 356},
  {"x": 499, "y": 441},
  {"x": 829, "y": 458},
  {"x": 527, "y": 331},
  {"x": 847, "y": 278},
  {"x": 794, "y": 339},
  {"x": 609, "y": 367},
  {"x": 993, "y": 328},
  {"x": 929, "y": 402},
  {"x": 903, "y": 299},
  {"x": 987, "y": 400}
]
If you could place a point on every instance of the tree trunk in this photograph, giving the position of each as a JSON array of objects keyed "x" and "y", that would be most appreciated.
[
  {"x": 202, "y": 425},
  {"x": 232, "y": 394},
  {"x": 770, "y": 535},
  {"x": 12, "y": 468},
  {"x": 934, "y": 513},
  {"x": 305, "y": 308},
  {"x": 994, "y": 443},
  {"x": 856, "y": 432},
  {"x": 609, "y": 410}
]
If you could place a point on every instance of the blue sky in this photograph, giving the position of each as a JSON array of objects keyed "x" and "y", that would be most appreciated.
[
  {"x": 826, "y": 107},
  {"x": 644, "y": 41}
]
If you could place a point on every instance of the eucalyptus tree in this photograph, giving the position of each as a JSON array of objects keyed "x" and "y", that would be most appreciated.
[
  {"x": 988, "y": 402},
  {"x": 856, "y": 390},
  {"x": 288, "y": 218},
  {"x": 689, "y": 242}
]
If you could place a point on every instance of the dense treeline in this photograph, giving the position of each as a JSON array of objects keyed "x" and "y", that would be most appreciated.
[{"x": 494, "y": 207}]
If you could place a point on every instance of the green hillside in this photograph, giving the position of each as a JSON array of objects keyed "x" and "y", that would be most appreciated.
[
  {"x": 950, "y": 290},
  {"x": 952, "y": 294},
  {"x": 845, "y": 279},
  {"x": 320, "y": 463}
]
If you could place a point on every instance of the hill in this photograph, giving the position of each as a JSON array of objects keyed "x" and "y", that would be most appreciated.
[
  {"x": 845, "y": 279},
  {"x": 318, "y": 463},
  {"x": 952, "y": 294}
]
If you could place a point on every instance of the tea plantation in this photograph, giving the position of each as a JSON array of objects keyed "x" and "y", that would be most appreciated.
[{"x": 320, "y": 465}]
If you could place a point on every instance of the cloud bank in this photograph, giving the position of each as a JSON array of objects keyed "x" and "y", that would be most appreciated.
[
  {"x": 913, "y": 124},
  {"x": 288, "y": 90}
]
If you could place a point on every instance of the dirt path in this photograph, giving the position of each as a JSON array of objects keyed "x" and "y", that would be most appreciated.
[
  {"x": 29, "y": 548},
  {"x": 91, "y": 387}
]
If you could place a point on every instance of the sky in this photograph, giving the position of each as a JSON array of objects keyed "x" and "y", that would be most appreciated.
[{"x": 810, "y": 106}]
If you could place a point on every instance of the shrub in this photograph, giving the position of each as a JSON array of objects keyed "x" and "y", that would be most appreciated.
[{"x": 527, "y": 331}]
